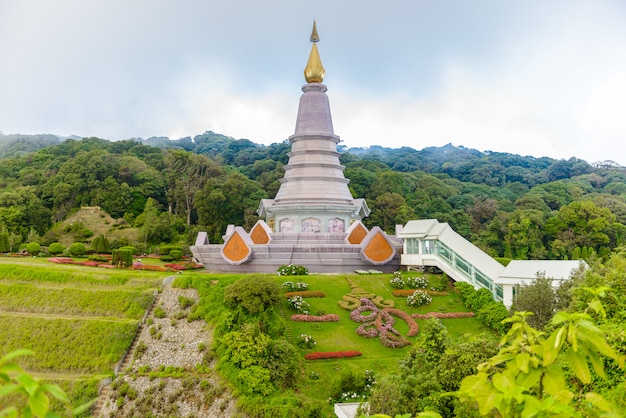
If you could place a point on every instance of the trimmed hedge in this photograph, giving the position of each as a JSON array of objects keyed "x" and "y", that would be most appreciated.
[
  {"x": 55, "y": 248},
  {"x": 77, "y": 249},
  {"x": 488, "y": 311},
  {"x": 33, "y": 248},
  {"x": 122, "y": 257}
]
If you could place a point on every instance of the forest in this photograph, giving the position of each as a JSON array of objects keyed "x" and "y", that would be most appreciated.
[{"x": 512, "y": 206}]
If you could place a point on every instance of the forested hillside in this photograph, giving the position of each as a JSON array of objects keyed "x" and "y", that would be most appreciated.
[{"x": 509, "y": 205}]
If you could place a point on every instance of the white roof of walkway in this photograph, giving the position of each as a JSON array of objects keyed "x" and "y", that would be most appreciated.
[
  {"x": 426, "y": 229},
  {"x": 558, "y": 270},
  {"x": 518, "y": 271}
]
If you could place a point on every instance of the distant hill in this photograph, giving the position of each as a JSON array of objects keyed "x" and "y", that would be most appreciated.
[{"x": 18, "y": 145}]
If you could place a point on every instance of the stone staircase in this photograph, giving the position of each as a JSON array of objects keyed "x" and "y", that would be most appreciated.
[{"x": 127, "y": 358}]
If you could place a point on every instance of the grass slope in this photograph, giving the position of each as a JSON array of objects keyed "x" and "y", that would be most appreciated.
[
  {"x": 78, "y": 320},
  {"x": 98, "y": 222}
]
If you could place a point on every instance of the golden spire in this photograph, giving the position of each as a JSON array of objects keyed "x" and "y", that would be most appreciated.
[{"x": 314, "y": 71}]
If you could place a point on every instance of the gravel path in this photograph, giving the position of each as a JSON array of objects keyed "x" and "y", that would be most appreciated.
[{"x": 171, "y": 342}]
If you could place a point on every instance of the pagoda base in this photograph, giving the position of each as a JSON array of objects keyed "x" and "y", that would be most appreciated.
[{"x": 318, "y": 252}]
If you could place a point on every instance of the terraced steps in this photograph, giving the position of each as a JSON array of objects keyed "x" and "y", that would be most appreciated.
[{"x": 127, "y": 359}]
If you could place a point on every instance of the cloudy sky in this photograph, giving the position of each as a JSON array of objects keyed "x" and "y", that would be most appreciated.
[{"x": 530, "y": 77}]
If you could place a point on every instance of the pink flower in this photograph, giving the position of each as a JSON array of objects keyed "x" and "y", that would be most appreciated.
[
  {"x": 314, "y": 318},
  {"x": 320, "y": 355},
  {"x": 444, "y": 315}
]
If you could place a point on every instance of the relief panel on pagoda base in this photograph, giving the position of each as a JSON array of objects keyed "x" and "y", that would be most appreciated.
[
  {"x": 336, "y": 225},
  {"x": 311, "y": 225},
  {"x": 287, "y": 225}
]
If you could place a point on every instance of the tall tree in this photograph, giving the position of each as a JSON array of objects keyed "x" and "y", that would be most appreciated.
[{"x": 186, "y": 175}]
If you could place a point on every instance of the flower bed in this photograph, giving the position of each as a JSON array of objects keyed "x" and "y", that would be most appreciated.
[
  {"x": 314, "y": 318},
  {"x": 290, "y": 286},
  {"x": 299, "y": 305},
  {"x": 88, "y": 263},
  {"x": 366, "y": 306},
  {"x": 292, "y": 270},
  {"x": 184, "y": 266},
  {"x": 321, "y": 355},
  {"x": 417, "y": 282},
  {"x": 396, "y": 280},
  {"x": 413, "y": 327},
  {"x": 306, "y": 294},
  {"x": 444, "y": 315},
  {"x": 401, "y": 293},
  {"x": 306, "y": 341},
  {"x": 379, "y": 323},
  {"x": 418, "y": 298},
  {"x": 150, "y": 267}
]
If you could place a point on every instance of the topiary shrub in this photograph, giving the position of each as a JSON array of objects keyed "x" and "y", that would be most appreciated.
[
  {"x": 33, "y": 248},
  {"x": 176, "y": 254},
  {"x": 130, "y": 248},
  {"x": 99, "y": 258},
  {"x": 55, "y": 248},
  {"x": 166, "y": 258},
  {"x": 5, "y": 245},
  {"x": 122, "y": 257},
  {"x": 77, "y": 249},
  {"x": 100, "y": 245},
  {"x": 167, "y": 249}
]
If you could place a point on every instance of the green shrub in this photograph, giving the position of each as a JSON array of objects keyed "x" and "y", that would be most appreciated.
[
  {"x": 168, "y": 248},
  {"x": 254, "y": 294},
  {"x": 99, "y": 258},
  {"x": 159, "y": 312},
  {"x": 176, "y": 254},
  {"x": 185, "y": 302},
  {"x": 100, "y": 245},
  {"x": 256, "y": 379},
  {"x": 33, "y": 248},
  {"x": 130, "y": 248},
  {"x": 503, "y": 260},
  {"x": 122, "y": 257},
  {"x": 166, "y": 258},
  {"x": 77, "y": 249},
  {"x": 492, "y": 315},
  {"x": 481, "y": 297},
  {"x": 55, "y": 248},
  {"x": 5, "y": 245}
]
